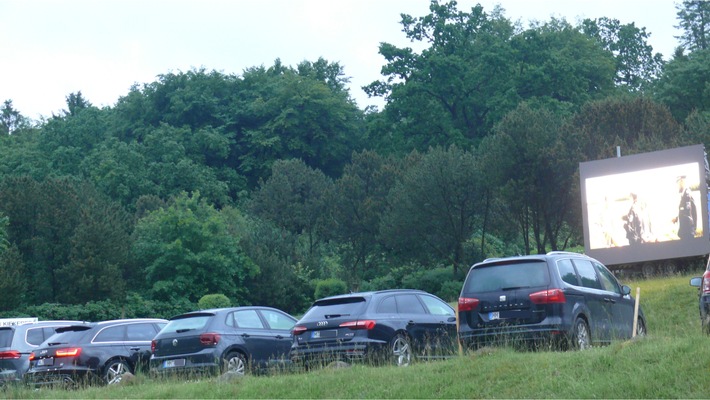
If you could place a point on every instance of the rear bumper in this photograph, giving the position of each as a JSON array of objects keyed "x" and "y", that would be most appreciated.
[
  {"x": 60, "y": 377},
  {"x": 203, "y": 362},
  {"x": 322, "y": 353},
  {"x": 523, "y": 334}
]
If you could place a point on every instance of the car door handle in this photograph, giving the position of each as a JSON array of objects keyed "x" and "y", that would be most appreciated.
[
  {"x": 245, "y": 335},
  {"x": 411, "y": 322},
  {"x": 608, "y": 300},
  {"x": 279, "y": 337},
  {"x": 135, "y": 348}
]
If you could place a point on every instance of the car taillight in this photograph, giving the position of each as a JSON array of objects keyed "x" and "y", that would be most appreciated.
[
  {"x": 548, "y": 296},
  {"x": 153, "y": 345},
  {"x": 706, "y": 282},
  {"x": 364, "y": 324},
  {"x": 68, "y": 352},
  {"x": 297, "y": 330},
  {"x": 467, "y": 304},
  {"x": 209, "y": 339},
  {"x": 10, "y": 354},
  {"x": 32, "y": 356}
]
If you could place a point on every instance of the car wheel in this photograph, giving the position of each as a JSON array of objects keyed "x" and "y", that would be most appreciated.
[
  {"x": 401, "y": 350},
  {"x": 235, "y": 363},
  {"x": 582, "y": 338},
  {"x": 640, "y": 327},
  {"x": 115, "y": 371}
]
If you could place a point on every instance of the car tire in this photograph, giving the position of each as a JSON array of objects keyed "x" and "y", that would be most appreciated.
[
  {"x": 641, "y": 328},
  {"x": 115, "y": 370},
  {"x": 581, "y": 335},
  {"x": 234, "y": 363},
  {"x": 400, "y": 350}
]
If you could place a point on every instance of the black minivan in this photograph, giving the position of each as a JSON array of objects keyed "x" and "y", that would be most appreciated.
[{"x": 559, "y": 298}]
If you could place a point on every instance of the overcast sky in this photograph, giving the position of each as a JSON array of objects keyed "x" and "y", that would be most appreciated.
[{"x": 51, "y": 48}]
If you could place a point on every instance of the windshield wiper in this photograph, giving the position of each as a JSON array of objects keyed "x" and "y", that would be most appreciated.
[
  {"x": 329, "y": 316},
  {"x": 183, "y": 330}
]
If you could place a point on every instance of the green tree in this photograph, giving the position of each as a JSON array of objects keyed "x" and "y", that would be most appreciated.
[
  {"x": 684, "y": 85},
  {"x": 694, "y": 20},
  {"x": 435, "y": 207},
  {"x": 636, "y": 64},
  {"x": 359, "y": 200},
  {"x": 13, "y": 283},
  {"x": 188, "y": 252},
  {"x": 11, "y": 121}
]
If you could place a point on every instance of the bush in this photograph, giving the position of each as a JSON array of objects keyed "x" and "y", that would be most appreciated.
[
  {"x": 330, "y": 287},
  {"x": 214, "y": 301},
  {"x": 437, "y": 281}
]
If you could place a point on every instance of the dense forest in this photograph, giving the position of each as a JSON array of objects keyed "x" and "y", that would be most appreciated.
[{"x": 273, "y": 188}]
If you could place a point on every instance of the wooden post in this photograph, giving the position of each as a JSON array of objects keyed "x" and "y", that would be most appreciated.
[
  {"x": 636, "y": 312},
  {"x": 458, "y": 339}
]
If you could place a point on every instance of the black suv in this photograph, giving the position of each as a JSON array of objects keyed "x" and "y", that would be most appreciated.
[
  {"x": 97, "y": 351},
  {"x": 559, "y": 298},
  {"x": 18, "y": 341},
  {"x": 388, "y": 325},
  {"x": 224, "y": 340},
  {"x": 703, "y": 285}
]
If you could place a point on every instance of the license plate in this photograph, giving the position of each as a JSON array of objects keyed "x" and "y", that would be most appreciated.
[
  {"x": 324, "y": 334},
  {"x": 180, "y": 362},
  {"x": 493, "y": 315},
  {"x": 43, "y": 362}
]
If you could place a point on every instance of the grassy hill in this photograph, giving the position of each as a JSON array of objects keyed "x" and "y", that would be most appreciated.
[{"x": 673, "y": 361}]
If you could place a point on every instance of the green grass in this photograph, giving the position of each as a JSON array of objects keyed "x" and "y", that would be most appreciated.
[{"x": 673, "y": 361}]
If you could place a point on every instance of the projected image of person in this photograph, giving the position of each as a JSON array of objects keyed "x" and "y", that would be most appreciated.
[
  {"x": 636, "y": 224},
  {"x": 687, "y": 218}
]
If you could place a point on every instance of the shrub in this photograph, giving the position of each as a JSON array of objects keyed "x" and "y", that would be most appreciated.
[
  {"x": 330, "y": 287},
  {"x": 214, "y": 301}
]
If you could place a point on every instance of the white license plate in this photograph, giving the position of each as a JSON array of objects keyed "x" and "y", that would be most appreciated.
[
  {"x": 45, "y": 361},
  {"x": 493, "y": 315},
  {"x": 180, "y": 362}
]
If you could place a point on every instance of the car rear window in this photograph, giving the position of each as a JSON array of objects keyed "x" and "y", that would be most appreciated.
[
  {"x": 495, "y": 277},
  {"x": 333, "y": 308},
  {"x": 68, "y": 334},
  {"x": 184, "y": 324},
  {"x": 6, "y": 337}
]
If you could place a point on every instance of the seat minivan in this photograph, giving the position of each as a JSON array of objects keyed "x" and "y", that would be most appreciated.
[{"x": 560, "y": 298}]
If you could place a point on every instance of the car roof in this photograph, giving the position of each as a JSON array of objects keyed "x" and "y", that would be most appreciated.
[
  {"x": 214, "y": 311},
  {"x": 531, "y": 257},
  {"x": 371, "y": 293}
]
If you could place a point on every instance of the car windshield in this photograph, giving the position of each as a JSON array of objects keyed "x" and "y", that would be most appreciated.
[
  {"x": 510, "y": 276},
  {"x": 334, "y": 308},
  {"x": 187, "y": 324}
]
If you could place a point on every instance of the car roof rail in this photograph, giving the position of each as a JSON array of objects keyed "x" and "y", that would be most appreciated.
[{"x": 552, "y": 253}]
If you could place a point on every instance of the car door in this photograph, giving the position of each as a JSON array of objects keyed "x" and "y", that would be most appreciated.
[
  {"x": 596, "y": 299},
  {"x": 278, "y": 331},
  {"x": 250, "y": 329},
  {"x": 138, "y": 338},
  {"x": 621, "y": 306},
  {"x": 444, "y": 321},
  {"x": 421, "y": 327}
]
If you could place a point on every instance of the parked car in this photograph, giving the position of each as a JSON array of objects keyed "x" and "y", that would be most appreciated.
[
  {"x": 93, "y": 352},
  {"x": 382, "y": 326},
  {"x": 16, "y": 344},
  {"x": 703, "y": 285},
  {"x": 223, "y": 340},
  {"x": 559, "y": 298}
]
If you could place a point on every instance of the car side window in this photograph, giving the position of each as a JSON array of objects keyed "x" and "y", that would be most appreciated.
[
  {"x": 35, "y": 336},
  {"x": 111, "y": 334},
  {"x": 248, "y": 319},
  {"x": 608, "y": 281},
  {"x": 567, "y": 272},
  {"x": 276, "y": 320},
  {"x": 387, "y": 306},
  {"x": 409, "y": 304},
  {"x": 587, "y": 274},
  {"x": 436, "y": 306},
  {"x": 140, "y": 332}
]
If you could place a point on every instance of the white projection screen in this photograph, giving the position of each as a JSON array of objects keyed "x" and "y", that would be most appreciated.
[{"x": 640, "y": 208}]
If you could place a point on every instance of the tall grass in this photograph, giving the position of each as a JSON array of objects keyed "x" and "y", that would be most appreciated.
[{"x": 672, "y": 361}]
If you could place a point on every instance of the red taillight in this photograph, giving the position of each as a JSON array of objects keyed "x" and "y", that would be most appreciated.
[
  {"x": 153, "y": 345},
  {"x": 10, "y": 354},
  {"x": 297, "y": 330},
  {"x": 548, "y": 296},
  {"x": 364, "y": 324},
  {"x": 68, "y": 352},
  {"x": 32, "y": 356},
  {"x": 467, "y": 304},
  {"x": 209, "y": 339},
  {"x": 706, "y": 282}
]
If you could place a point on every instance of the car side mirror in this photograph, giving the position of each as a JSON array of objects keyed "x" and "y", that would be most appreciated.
[
  {"x": 625, "y": 290},
  {"x": 697, "y": 281}
]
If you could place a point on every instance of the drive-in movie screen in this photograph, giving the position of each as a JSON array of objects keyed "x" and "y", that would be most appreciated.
[{"x": 650, "y": 206}]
